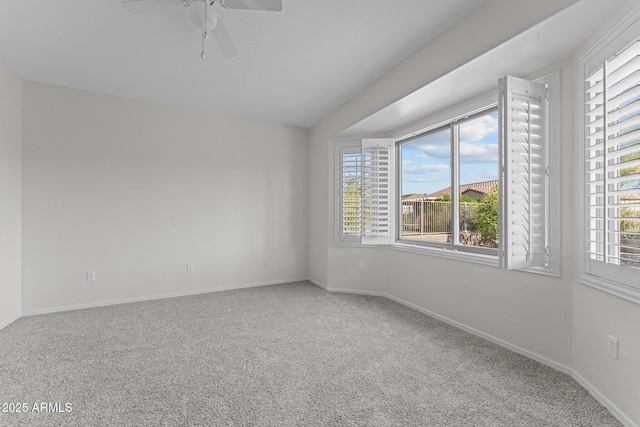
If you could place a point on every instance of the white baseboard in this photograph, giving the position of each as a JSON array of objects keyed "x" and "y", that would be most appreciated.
[
  {"x": 348, "y": 291},
  {"x": 613, "y": 409},
  {"x": 10, "y": 320},
  {"x": 626, "y": 421},
  {"x": 155, "y": 297},
  {"x": 318, "y": 284},
  {"x": 498, "y": 341}
]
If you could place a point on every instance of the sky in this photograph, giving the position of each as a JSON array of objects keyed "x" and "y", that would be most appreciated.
[{"x": 426, "y": 161}]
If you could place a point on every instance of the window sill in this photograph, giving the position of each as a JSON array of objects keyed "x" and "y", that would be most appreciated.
[
  {"x": 613, "y": 288},
  {"x": 456, "y": 255}
]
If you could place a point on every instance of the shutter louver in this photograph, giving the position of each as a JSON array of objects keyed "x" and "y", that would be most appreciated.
[
  {"x": 377, "y": 202},
  {"x": 524, "y": 173},
  {"x": 612, "y": 166}
]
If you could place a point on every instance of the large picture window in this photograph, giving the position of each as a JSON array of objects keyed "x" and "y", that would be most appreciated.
[{"x": 449, "y": 184}]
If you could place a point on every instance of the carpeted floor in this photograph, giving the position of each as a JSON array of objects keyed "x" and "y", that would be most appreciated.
[{"x": 279, "y": 355}]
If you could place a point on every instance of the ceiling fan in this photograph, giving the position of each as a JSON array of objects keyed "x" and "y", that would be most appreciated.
[{"x": 203, "y": 15}]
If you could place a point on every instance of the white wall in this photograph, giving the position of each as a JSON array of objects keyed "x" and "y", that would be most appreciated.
[
  {"x": 499, "y": 304},
  {"x": 334, "y": 267},
  {"x": 10, "y": 194},
  {"x": 135, "y": 191},
  {"x": 556, "y": 319},
  {"x": 597, "y": 314}
]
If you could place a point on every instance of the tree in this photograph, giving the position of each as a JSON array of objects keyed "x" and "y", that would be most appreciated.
[
  {"x": 463, "y": 199},
  {"x": 487, "y": 222}
]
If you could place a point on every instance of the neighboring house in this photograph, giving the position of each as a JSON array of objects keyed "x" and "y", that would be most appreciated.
[
  {"x": 476, "y": 190},
  {"x": 415, "y": 197}
]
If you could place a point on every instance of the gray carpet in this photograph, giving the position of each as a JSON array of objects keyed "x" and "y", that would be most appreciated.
[{"x": 280, "y": 355}]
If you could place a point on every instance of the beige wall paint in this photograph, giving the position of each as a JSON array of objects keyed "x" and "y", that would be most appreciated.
[
  {"x": 135, "y": 191},
  {"x": 10, "y": 194}
]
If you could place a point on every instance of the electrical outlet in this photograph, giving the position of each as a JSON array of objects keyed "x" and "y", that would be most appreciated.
[
  {"x": 91, "y": 276},
  {"x": 189, "y": 268},
  {"x": 612, "y": 347},
  {"x": 360, "y": 267},
  {"x": 265, "y": 261}
]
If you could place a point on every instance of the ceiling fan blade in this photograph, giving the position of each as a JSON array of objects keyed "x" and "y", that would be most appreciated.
[
  {"x": 223, "y": 38},
  {"x": 147, "y": 6},
  {"x": 272, "y": 5}
]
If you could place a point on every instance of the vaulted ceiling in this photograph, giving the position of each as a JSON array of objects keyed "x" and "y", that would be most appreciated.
[{"x": 293, "y": 67}]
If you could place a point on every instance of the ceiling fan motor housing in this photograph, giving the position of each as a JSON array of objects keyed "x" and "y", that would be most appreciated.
[{"x": 197, "y": 13}]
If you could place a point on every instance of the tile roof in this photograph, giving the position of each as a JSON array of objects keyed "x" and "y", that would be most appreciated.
[
  {"x": 480, "y": 187},
  {"x": 415, "y": 197}
]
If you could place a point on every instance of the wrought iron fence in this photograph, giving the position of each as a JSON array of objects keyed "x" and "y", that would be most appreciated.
[
  {"x": 630, "y": 233},
  {"x": 421, "y": 217}
]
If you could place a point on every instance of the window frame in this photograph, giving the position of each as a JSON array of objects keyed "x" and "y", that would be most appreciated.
[
  {"x": 374, "y": 205},
  {"x": 341, "y": 149},
  {"x": 554, "y": 195},
  {"x": 462, "y": 111},
  {"x": 607, "y": 279},
  {"x": 453, "y": 126}
]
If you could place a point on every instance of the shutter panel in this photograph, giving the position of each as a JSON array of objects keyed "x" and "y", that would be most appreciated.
[
  {"x": 377, "y": 194},
  {"x": 524, "y": 179},
  {"x": 612, "y": 167}
]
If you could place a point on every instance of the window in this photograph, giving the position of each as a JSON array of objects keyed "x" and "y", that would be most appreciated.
[
  {"x": 364, "y": 192},
  {"x": 448, "y": 180},
  {"x": 476, "y": 186},
  {"x": 612, "y": 162}
]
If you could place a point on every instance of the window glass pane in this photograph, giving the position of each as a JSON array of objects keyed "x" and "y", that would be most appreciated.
[
  {"x": 425, "y": 187},
  {"x": 613, "y": 161},
  {"x": 626, "y": 184},
  {"x": 351, "y": 195},
  {"x": 478, "y": 210}
]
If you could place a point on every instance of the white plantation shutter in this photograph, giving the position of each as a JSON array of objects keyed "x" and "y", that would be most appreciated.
[
  {"x": 364, "y": 192},
  {"x": 377, "y": 212},
  {"x": 612, "y": 168},
  {"x": 523, "y": 173}
]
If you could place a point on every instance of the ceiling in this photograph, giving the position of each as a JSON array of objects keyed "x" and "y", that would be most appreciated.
[
  {"x": 541, "y": 46},
  {"x": 294, "y": 67}
]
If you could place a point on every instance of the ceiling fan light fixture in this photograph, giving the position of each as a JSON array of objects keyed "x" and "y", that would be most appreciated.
[
  {"x": 197, "y": 13},
  {"x": 203, "y": 16}
]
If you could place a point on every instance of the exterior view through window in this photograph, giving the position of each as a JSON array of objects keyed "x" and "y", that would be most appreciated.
[{"x": 449, "y": 184}]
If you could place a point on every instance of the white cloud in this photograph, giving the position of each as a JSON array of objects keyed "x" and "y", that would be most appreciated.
[
  {"x": 479, "y": 128},
  {"x": 469, "y": 152},
  {"x": 439, "y": 151},
  {"x": 478, "y": 153},
  {"x": 424, "y": 169},
  {"x": 427, "y": 179},
  {"x": 478, "y": 176}
]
